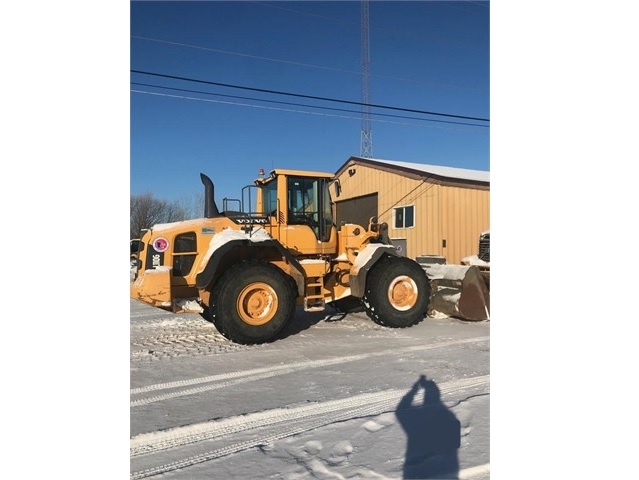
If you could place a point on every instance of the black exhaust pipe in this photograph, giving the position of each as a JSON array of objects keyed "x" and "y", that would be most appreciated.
[{"x": 210, "y": 208}]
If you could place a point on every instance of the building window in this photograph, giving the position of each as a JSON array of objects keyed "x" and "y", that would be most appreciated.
[{"x": 404, "y": 216}]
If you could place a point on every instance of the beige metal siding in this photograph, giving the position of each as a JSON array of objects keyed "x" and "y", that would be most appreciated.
[
  {"x": 465, "y": 214},
  {"x": 456, "y": 214}
]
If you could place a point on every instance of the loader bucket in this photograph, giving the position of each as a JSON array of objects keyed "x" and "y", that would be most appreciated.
[{"x": 458, "y": 291}]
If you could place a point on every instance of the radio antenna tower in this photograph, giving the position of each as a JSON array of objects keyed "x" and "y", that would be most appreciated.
[{"x": 366, "y": 149}]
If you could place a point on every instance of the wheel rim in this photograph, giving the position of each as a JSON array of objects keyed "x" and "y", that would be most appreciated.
[
  {"x": 257, "y": 304},
  {"x": 402, "y": 293}
]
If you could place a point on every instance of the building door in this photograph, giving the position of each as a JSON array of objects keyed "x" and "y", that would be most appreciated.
[{"x": 358, "y": 210}]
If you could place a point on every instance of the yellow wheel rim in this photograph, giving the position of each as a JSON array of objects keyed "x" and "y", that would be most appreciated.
[
  {"x": 257, "y": 304},
  {"x": 402, "y": 293}
]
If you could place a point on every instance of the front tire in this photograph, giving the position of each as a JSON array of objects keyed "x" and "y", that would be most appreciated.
[
  {"x": 397, "y": 293},
  {"x": 252, "y": 303}
]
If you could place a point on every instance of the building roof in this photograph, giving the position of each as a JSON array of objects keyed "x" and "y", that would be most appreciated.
[{"x": 421, "y": 169}]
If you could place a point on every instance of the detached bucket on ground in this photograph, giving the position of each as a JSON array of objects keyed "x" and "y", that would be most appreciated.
[{"x": 458, "y": 291}]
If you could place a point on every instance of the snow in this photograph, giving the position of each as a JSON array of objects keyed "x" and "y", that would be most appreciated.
[
  {"x": 446, "y": 271},
  {"x": 336, "y": 397},
  {"x": 366, "y": 254},
  {"x": 189, "y": 304},
  {"x": 450, "y": 172},
  {"x": 159, "y": 227},
  {"x": 474, "y": 260}
]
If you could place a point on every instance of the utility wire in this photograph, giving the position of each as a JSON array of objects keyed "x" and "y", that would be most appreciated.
[
  {"x": 299, "y": 104},
  {"x": 182, "y": 97},
  {"x": 313, "y": 97},
  {"x": 247, "y": 55},
  {"x": 301, "y": 64}
]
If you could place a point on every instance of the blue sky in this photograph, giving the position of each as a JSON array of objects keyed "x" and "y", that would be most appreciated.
[{"x": 424, "y": 56}]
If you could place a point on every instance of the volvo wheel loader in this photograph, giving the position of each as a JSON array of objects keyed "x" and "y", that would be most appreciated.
[{"x": 247, "y": 270}]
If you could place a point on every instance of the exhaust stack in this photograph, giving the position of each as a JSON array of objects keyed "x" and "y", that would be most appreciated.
[{"x": 210, "y": 208}]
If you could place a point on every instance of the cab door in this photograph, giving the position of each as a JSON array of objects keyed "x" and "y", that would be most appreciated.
[{"x": 308, "y": 216}]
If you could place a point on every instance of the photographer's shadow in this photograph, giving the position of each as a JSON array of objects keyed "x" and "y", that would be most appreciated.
[{"x": 433, "y": 434}]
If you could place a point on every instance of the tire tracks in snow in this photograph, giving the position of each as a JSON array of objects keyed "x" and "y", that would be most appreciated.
[
  {"x": 170, "y": 345},
  {"x": 235, "y": 434},
  {"x": 214, "y": 382},
  {"x": 167, "y": 338}
]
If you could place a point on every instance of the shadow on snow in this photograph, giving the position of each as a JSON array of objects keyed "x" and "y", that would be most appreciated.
[{"x": 433, "y": 434}]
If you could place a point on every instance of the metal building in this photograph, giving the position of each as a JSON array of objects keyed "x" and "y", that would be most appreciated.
[{"x": 430, "y": 209}]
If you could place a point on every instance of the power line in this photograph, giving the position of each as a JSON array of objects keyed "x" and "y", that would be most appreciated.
[
  {"x": 247, "y": 55},
  {"x": 313, "y": 97},
  {"x": 181, "y": 97},
  {"x": 288, "y": 110},
  {"x": 279, "y": 102},
  {"x": 302, "y": 64}
]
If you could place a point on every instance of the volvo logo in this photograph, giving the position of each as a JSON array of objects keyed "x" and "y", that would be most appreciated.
[{"x": 245, "y": 221}]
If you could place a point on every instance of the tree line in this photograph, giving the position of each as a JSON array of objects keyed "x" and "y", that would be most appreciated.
[{"x": 147, "y": 210}]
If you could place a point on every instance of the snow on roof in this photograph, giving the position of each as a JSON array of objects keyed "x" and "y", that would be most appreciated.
[{"x": 450, "y": 172}]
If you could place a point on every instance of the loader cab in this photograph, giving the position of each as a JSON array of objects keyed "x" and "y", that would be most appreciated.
[{"x": 299, "y": 203}]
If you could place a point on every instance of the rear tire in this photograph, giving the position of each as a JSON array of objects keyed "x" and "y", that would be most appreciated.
[
  {"x": 397, "y": 293},
  {"x": 252, "y": 303}
]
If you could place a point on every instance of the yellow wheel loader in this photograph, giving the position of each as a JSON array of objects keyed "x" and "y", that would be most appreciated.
[{"x": 247, "y": 269}]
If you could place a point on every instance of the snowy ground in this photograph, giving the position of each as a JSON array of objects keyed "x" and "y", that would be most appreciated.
[{"x": 335, "y": 398}]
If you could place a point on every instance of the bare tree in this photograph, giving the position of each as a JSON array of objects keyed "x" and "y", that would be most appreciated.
[
  {"x": 192, "y": 206},
  {"x": 146, "y": 211}
]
